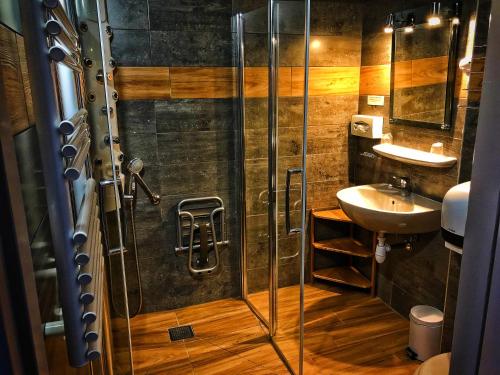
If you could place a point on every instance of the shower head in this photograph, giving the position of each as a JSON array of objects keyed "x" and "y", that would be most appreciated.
[{"x": 135, "y": 166}]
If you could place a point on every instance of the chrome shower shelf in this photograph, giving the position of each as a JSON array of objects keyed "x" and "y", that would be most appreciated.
[{"x": 201, "y": 231}]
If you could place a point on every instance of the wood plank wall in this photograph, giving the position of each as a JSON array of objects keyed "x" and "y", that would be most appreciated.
[
  {"x": 220, "y": 82},
  {"x": 14, "y": 70}
]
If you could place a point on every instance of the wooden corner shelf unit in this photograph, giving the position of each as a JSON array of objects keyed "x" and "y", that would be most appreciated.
[{"x": 346, "y": 246}]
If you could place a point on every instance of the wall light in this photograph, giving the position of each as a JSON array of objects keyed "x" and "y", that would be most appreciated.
[
  {"x": 389, "y": 24},
  {"x": 434, "y": 18},
  {"x": 315, "y": 44},
  {"x": 410, "y": 24}
]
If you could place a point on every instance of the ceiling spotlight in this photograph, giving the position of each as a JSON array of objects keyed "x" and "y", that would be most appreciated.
[
  {"x": 410, "y": 24},
  {"x": 389, "y": 24},
  {"x": 434, "y": 18}
]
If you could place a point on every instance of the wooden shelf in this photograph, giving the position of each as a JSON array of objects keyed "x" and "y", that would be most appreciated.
[
  {"x": 343, "y": 275},
  {"x": 344, "y": 245},
  {"x": 337, "y": 215}
]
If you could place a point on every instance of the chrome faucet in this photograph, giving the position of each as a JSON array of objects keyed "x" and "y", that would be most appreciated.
[{"x": 401, "y": 183}]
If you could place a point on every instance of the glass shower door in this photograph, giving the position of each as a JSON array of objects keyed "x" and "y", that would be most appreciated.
[
  {"x": 287, "y": 160},
  {"x": 272, "y": 62},
  {"x": 252, "y": 30}
]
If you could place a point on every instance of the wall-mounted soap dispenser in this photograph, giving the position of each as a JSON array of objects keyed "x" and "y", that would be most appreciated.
[{"x": 367, "y": 126}]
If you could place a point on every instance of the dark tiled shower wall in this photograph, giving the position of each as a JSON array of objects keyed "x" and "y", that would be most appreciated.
[
  {"x": 188, "y": 145},
  {"x": 420, "y": 276}
]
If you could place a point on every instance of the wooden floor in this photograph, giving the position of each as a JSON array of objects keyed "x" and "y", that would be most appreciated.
[{"x": 346, "y": 332}]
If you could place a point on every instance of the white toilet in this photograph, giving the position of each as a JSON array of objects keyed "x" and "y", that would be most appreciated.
[{"x": 437, "y": 365}]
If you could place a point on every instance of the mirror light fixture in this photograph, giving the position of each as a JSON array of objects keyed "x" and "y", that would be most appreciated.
[
  {"x": 389, "y": 24},
  {"x": 456, "y": 17},
  {"x": 434, "y": 18},
  {"x": 410, "y": 24}
]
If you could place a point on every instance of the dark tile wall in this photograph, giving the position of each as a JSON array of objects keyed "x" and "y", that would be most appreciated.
[
  {"x": 418, "y": 277},
  {"x": 188, "y": 145}
]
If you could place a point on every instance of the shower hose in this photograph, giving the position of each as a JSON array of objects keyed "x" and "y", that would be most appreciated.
[{"x": 132, "y": 204}]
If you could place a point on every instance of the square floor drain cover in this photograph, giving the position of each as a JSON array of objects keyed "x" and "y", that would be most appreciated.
[{"x": 180, "y": 333}]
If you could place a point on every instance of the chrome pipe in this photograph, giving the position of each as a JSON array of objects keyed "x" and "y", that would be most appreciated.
[
  {"x": 240, "y": 32},
  {"x": 153, "y": 197},
  {"x": 68, "y": 126},
  {"x": 48, "y": 273},
  {"x": 307, "y": 31},
  {"x": 53, "y": 328},
  {"x": 94, "y": 328},
  {"x": 58, "y": 12},
  {"x": 57, "y": 30},
  {"x": 59, "y": 55},
  {"x": 273, "y": 164},
  {"x": 72, "y": 172},
  {"x": 196, "y": 247},
  {"x": 86, "y": 275},
  {"x": 75, "y": 142},
  {"x": 83, "y": 222}
]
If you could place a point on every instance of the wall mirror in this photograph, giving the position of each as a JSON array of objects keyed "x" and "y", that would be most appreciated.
[{"x": 423, "y": 64}]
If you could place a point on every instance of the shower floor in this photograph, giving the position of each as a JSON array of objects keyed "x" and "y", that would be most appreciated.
[{"x": 347, "y": 332}]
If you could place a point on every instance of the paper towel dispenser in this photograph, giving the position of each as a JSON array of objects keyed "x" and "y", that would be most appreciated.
[
  {"x": 367, "y": 126},
  {"x": 454, "y": 215}
]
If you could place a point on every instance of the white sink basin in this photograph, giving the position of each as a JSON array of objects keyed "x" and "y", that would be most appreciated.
[{"x": 381, "y": 208}]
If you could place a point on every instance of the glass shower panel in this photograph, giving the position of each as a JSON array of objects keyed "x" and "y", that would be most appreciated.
[
  {"x": 254, "y": 37},
  {"x": 289, "y": 40}
]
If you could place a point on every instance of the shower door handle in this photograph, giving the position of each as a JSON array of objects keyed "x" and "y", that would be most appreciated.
[{"x": 289, "y": 173}]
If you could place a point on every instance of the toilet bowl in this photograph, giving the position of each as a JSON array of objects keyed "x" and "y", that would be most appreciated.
[{"x": 437, "y": 365}]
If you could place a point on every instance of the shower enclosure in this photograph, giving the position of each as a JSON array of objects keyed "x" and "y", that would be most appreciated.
[{"x": 271, "y": 107}]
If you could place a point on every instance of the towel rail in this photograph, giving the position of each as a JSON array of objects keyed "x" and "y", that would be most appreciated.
[
  {"x": 50, "y": 36},
  {"x": 82, "y": 224},
  {"x": 68, "y": 126},
  {"x": 57, "y": 30},
  {"x": 59, "y": 55},
  {"x": 74, "y": 169},
  {"x": 76, "y": 141},
  {"x": 58, "y": 12}
]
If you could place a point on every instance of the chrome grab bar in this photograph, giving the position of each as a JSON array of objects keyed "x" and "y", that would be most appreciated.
[{"x": 289, "y": 173}]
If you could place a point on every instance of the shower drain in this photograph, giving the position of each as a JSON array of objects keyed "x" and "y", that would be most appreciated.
[{"x": 180, "y": 333}]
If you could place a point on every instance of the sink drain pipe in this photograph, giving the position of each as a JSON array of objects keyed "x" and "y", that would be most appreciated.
[{"x": 382, "y": 248}]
